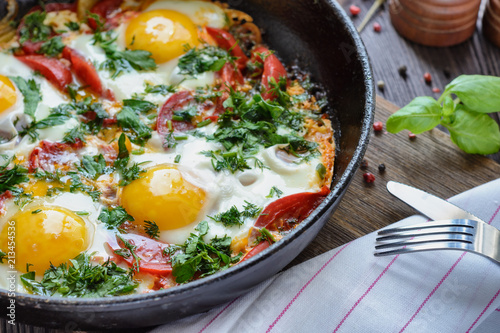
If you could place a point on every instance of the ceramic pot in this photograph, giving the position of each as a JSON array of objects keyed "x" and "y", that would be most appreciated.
[{"x": 437, "y": 23}]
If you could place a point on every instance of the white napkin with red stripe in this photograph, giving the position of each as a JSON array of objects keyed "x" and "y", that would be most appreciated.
[{"x": 349, "y": 290}]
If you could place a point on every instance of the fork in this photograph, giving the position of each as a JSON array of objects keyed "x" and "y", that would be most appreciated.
[{"x": 456, "y": 234}]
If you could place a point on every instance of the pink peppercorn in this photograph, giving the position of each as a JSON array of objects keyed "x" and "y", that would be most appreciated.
[
  {"x": 355, "y": 10},
  {"x": 378, "y": 126},
  {"x": 436, "y": 90},
  {"x": 369, "y": 177},
  {"x": 412, "y": 136},
  {"x": 377, "y": 27},
  {"x": 427, "y": 77}
]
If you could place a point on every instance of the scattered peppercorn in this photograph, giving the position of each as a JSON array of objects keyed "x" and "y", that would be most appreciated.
[
  {"x": 377, "y": 27},
  {"x": 364, "y": 164},
  {"x": 412, "y": 136},
  {"x": 355, "y": 10},
  {"x": 369, "y": 177},
  {"x": 381, "y": 85},
  {"x": 381, "y": 168},
  {"x": 403, "y": 72},
  {"x": 427, "y": 77},
  {"x": 378, "y": 126},
  {"x": 436, "y": 90}
]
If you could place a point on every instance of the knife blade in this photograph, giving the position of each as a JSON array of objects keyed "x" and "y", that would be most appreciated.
[{"x": 428, "y": 204}]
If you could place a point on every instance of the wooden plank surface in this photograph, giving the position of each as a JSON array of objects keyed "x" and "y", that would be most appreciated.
[
  {"x": 388, "y": 51},
  {"x": 430, "y": 162}
]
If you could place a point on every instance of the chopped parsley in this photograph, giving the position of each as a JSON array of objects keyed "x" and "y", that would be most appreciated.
[
  {"x": 196, "y": 61},
  {"x": 274, "y": 192},
  {"x": 159, "y": 89},
  {"x": 81, "y": 279},
  {"x": 58, "y": 116},
  {"x": 231, "y": 161},
  {"x": 73, "y": 26},
  {"x": 11, "y": 177},
  {"x": 119, "y": 62},
  {"x": 233, "y": 216},
  {"x": 128, "y": 174},
  {"x": 152, "y": 229},
  {"x": 127, "y": 251},
  {"x": 197, "y": 256},
  {"x": 130, "y": 121},
  {"x": 31, "y": 94},
  {"x": 93, "y": 166},
  {"x": 265, "y": 235},
  {"x": 250, "y": 122},
  {"x": 77, "y": 185},
  {"x": 53, "y": 47},
  {"x": 113, "y": 218},
  {"x": 3, "y": 256},
  {"x": 33, "y": 28}
]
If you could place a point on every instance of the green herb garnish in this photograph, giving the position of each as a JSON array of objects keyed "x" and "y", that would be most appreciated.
[{"x": 465, "y": 116}]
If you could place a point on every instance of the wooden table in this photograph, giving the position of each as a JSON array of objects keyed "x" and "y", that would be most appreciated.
[{"x": 430, "y": 162}]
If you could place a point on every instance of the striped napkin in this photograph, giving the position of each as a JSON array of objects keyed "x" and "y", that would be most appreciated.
[{"x": 349, "y": 290}]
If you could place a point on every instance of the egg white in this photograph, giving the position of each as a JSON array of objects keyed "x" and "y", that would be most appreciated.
[{"x": 202, "y": 13}]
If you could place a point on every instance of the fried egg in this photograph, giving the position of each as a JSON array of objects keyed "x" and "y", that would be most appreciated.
[{"x": 173, "y": 187}]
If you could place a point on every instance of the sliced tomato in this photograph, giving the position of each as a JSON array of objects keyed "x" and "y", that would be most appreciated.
[
  {"x": 225, "y": 40},
  {"x": 176, "y": 102},
  {"x": 150, "y": 251},
  {"x": 48, "y": 155},
  {"x": 273, "y": 69},
  {"x": 4, "y": 197},
  {"x": 53, "y": 69},
  {"x": 257, "y": 53},
  {"x": 84, "y": 70},
  {"x": 30, "y": 47},
  {"x": 255, "y": 250},
  {"x": 103, "y": 9},
  {"x": 285, "y": 213},
  {"x": 230, "y": 76}
]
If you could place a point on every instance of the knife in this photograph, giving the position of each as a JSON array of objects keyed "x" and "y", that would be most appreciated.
[{"x": 428, "y": 204}]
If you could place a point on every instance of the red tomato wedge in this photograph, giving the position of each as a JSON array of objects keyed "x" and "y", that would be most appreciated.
[
  {"x": 150, "y": 251},
  {"x": 30, "y": 47},
  {"x": 54, "y": 70},
  {"x": 176, "y": 102},
  {"x": 225, "y": 40},
  {"x": 255, "y": 250},
  {"x": 257, "y": 52},
  {"x": 4, "y": 197},
  {"x": 103, "y": 9},
  {"x": 285, "y": 213},
  {"x": 84, "y": 70},
  {"x": 230, "y": 76},
  {"x": 50, "y": 154},
  {"x": 273, "y": 68}
]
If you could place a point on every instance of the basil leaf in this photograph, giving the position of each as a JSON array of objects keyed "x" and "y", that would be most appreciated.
[
  {"x": 480, "y": 93},
  {"x": 474, "y": 132},
  {"x": 422, "y": 114},
  {"x": 31, "y": 92}
]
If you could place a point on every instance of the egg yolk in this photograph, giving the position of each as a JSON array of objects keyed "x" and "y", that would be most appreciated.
[
  {"x": 162, "y": 195},
  {"x": 162, "y": 32},
  {"x": 8, "y": 94},
  {"x": 45, "y": 235}
]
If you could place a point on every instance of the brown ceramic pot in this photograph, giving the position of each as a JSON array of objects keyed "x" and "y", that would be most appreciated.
[
  {"x": 491, "y": 22},
  {"x": 435, "y": 22}
]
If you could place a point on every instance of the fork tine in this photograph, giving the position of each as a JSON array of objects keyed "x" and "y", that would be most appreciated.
[
  {"x": 427, "y": 231},
  {"x": 426, "y": 247},
  {"x": 469, "y": 239},
  {"x": 433, "y": 224}
]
